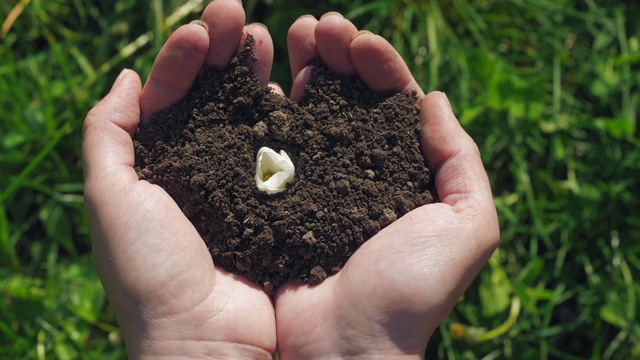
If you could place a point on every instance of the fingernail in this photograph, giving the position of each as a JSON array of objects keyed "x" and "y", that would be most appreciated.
[
  {"x": 306, "y": 16},
  {"x": 361, "y": 32},
  {"x": 331, "y": 13},
  {"x": 119, "y": 78},
  {"x": 201, "y": 23},
  {"x": 259, "y": 24}
]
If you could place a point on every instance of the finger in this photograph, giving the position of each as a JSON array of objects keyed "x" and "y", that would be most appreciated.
[
  {"x": 299, "y": 83},
  {"x": 460, "y": 177},
  {"x": 379, "y": 65},
  {"x": 225, "y": 19},
  {"x": 333, "y": 36},
  {"x": 107, "y": 148},
  {"x": 175, "y": 68},
  {"x": 301, "y": 43},
  {"x": 263, "y": 50},
  {"x": 276, "y": 89}
]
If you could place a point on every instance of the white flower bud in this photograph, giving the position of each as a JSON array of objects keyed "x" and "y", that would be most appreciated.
[{"x": 273, "y": 171}]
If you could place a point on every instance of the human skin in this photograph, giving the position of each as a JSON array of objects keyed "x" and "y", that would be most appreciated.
[
  {"x": 172, "y": 301},
  {"x": 402, "y": 283}
]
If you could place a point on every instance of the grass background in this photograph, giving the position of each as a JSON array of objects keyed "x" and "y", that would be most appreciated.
[{"x": 548, "y": 89}]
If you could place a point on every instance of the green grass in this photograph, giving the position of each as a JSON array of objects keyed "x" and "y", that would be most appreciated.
[{"x": 548, "y": 89}]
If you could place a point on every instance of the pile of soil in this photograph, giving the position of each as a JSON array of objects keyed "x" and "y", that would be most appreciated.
[{"x": 357, "y": 157}]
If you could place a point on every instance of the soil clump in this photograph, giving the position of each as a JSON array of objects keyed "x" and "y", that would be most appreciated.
[{"x": 357, "y": 157}]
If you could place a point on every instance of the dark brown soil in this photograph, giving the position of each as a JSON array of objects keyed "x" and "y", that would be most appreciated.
[{"x": 357, "y": 158}]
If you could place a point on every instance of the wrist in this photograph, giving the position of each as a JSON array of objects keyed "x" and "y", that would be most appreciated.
[
  {"x": 348, "y": 355},
  {"x": 175, "y": 339},
  {"x": 346, "y": 349},
  {"x": 195, "y": 349}
]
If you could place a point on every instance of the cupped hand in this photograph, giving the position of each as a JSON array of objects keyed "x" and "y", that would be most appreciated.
[
  {"x": 402, "y": 283},
  {"x": 169, "y": 298}
]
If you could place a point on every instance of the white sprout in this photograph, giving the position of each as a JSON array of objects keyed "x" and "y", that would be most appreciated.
[{"x": 273, "y": 171}]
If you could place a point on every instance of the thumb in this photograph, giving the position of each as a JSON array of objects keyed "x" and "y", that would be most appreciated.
[
  {"x": 107, "y": 145},
  {"x": 461, "y": 180}
]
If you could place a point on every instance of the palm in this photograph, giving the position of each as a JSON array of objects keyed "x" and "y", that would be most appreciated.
[
  {"x": 176, "y": 277},
  {"x": 397, "y": 287}
]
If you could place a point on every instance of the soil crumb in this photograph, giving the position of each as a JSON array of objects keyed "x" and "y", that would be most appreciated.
[{"x": 357, "y": 157}]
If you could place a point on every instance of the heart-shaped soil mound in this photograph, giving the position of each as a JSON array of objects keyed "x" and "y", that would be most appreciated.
[{"x": 358, "y": 167}]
